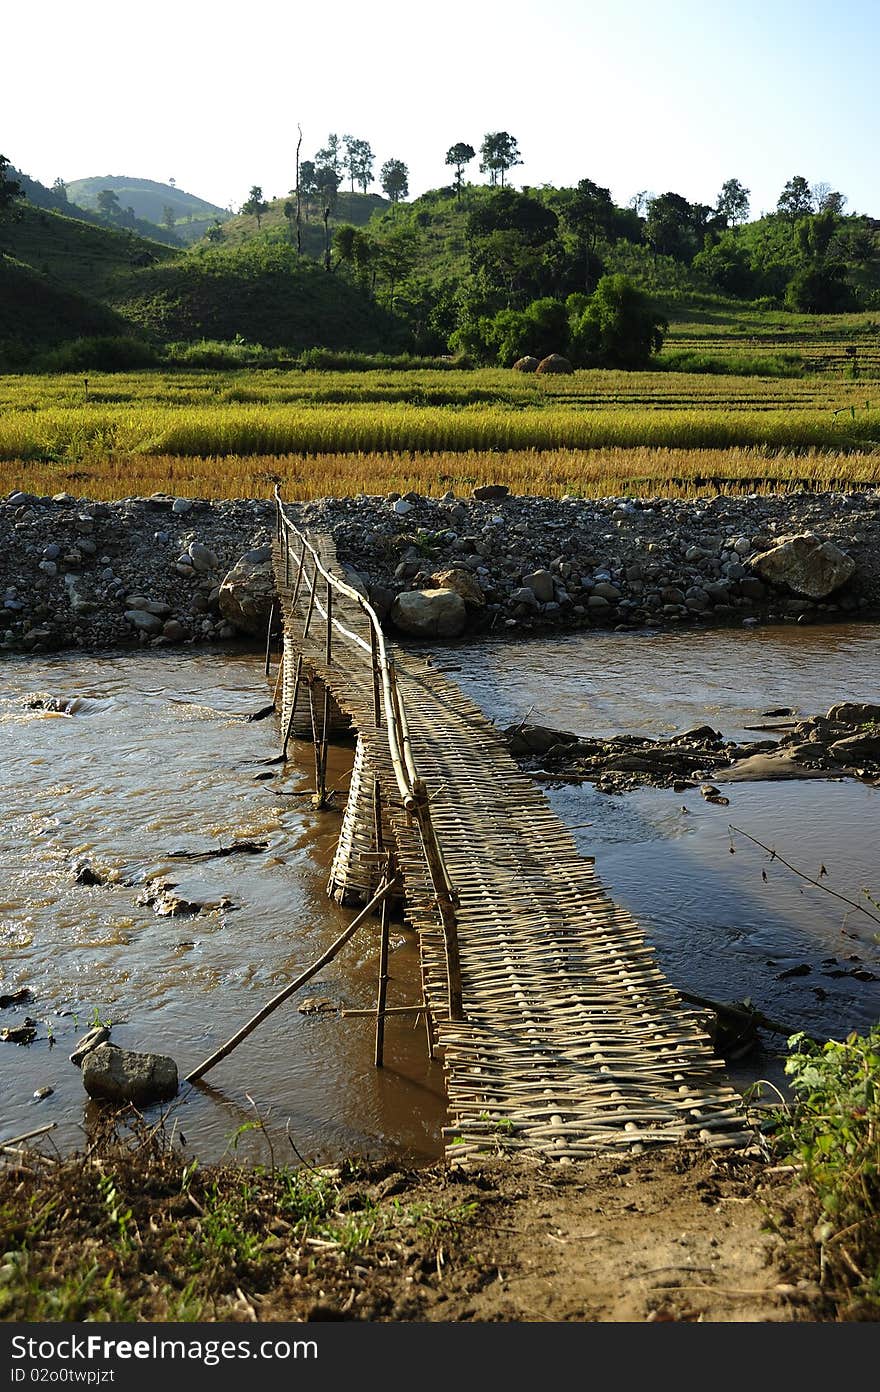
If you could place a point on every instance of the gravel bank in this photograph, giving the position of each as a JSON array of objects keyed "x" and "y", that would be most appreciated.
[{"x": 76, "y": 573}]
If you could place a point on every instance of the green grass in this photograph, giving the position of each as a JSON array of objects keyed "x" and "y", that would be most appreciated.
[
  {"x": 134, "y": 1232},
  {"x": 833, "y": 1135},
  {"x": 76, "y": 255}
]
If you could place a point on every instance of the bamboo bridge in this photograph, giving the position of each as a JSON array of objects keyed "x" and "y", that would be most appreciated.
[{"x": 557, "y": 1031}]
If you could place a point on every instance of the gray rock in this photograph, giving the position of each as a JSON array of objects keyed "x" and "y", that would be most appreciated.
[
  {"x": 488, "y": 492},
  {"x": 807, "y": 565},
  {"x": 402, "y": 507},
  {"x": 524, "y": 595},
  {"x": 182, "y": 506},
  {"x": 540, "y": 582},
  {"x": 92, "y": 1039},
  {"x": 855, "y": 749},
  {"x": 855, "y": 712},
  {"x": 606, "y": 591},
  {"x": 203, "y": 558},
  {"x": 121, "y": 1075},
  {"x": 246, "y": 595},
  {"x": 430, "y": 613},
  {"x": 143, "y": 621}
]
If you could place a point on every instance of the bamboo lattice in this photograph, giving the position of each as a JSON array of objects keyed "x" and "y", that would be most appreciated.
[{"x": 572, "y": 1039}]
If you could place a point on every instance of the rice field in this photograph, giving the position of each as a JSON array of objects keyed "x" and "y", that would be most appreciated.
[{"x": 227, "y": 434}]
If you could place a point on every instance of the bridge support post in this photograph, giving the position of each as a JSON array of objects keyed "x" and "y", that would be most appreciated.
[
  {"x": 360, "y": 860},
  {"x": 296, "y": 715}
]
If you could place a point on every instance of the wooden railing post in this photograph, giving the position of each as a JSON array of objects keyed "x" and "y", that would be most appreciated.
[
  {"x": 269, "y": 636},
  {"x": 444, "y": 895},
  {"x": 382, "y": 996}
]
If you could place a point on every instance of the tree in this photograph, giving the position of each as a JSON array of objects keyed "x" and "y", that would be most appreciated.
[
  {"x": 358, "y": 161},
  {"x": 588, "y": 215},
  {"x": 10, "y": 189},
  {"x": 256, "y": 205},
  {"x": 828, "y": 200},
  {"x": 675, "y": 227},
  {"x": 458, "y": 156},
  {"x": 395, "y": 179},
  {"x": 499, "y": 152},
  {"x": 108, "y": 205},
  {"x": 327, "y": 180},
  {"x": 290, "y": 214},
  {"x": 60, "y": 188},
  {"x": 538, "y": 330},
  {"x": 330, "y": 157},
  {"x": 169, "y": 217},
  {"x": 726, "y": 264},
  {"x": 819, "y": 288},
  {"x": 513, "y": 246},
  {"x": 214, "y": 233},
  {"x": 620, "y": 326},
  {"x": 396, "y": 253},
  {"x": 733, "y": 203},
  {"x": 795, "y": 199}
]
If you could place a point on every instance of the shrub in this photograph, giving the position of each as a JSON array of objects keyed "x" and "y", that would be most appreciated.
[
  {"x": 835, "y": 1134},
  {"x": 105, "y": 353},
  {"x": 619, "y": 328},
  {"x": 820, "y": 289}
]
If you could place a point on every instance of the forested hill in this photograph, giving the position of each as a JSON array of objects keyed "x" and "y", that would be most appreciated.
[
  {"x": 165, "y": 205},
  {"x": 487, "y": 272}
]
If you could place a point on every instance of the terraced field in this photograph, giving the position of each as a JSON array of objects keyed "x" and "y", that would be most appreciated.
[{"x": 223, "y": 434}]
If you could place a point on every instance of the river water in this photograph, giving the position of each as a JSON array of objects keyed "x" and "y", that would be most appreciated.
[{"x": 157, "y": 756}]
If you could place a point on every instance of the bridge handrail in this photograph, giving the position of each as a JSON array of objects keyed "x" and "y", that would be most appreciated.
[
  {"x": 412, "y": 788},
  {"x": 398, "y": 735}
]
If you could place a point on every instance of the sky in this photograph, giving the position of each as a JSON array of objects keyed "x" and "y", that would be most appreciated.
[{"x": 634, "y": 94}]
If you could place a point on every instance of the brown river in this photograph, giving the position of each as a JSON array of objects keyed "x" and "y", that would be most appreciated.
[{"x": 157, "y": 756}]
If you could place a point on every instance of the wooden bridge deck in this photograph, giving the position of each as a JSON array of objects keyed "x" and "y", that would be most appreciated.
[{"x": 573, "y": 1040}]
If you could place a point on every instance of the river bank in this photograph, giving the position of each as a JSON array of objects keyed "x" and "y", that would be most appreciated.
[
  {"x": 81, "y": 574},
  {"x": 136, "y": 1231}
]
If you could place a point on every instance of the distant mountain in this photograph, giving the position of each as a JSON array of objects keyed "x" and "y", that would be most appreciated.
[{"x": 148, "y": 201}]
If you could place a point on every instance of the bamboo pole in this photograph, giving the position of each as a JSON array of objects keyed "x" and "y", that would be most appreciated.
[
  {"x": 335, "y": 948},
  {"x": 374, "y": 660},
  {"x": 279, "y": 677},
  {"x": 379, "y": 1056},
  {"x": 269, "y": 636},
  {"x": 28, "y": 1135},
  {"x": 444, "y": 896},
  {"x": 314, "y": 585},
  {"x": 299, "y": 575},
  {"x": 296, "y": 685}
]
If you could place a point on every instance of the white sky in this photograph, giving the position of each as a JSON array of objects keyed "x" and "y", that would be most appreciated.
[{"x": 634, "y": 94}]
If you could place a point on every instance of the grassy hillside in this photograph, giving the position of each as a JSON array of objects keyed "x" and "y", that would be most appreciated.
[
  {"x": 356, "y": 208},
  {"x": 77, "y": 255},
  {"x": 261, "y": 292},
  {"x": 148, "y": 198},
  {"x": 37, "y": 313}
]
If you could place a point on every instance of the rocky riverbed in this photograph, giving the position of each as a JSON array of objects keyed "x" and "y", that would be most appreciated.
[
  {"x": 845, "y": 742},
  {"x": 151, "y": 570}
]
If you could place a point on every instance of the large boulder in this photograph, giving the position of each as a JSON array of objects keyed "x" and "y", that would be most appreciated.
[
  {"x": 804, "y": 563},
  {"x": 247, "y": 592},
  {"x": 462, "y": 582},
  {"x": 430, "y": 613},
  {"x": 555, "y": 362},
  {"x": 121, "y": 1075}
]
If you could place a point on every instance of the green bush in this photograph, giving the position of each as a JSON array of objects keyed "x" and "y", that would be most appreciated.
[
  {"x": 834, "y": 1132},
  {"x": 620, "y": 326},
  {"x": 104, "y": 353}
]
